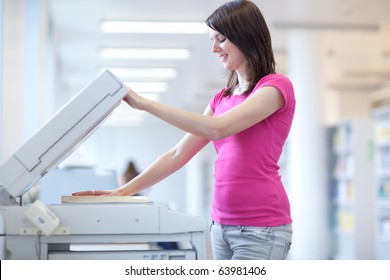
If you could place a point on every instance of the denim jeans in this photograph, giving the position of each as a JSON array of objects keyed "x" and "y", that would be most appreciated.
[{"x": 250, "y": 243}]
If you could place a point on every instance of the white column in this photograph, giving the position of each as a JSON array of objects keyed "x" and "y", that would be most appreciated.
[
  {"x": 24, "y": 72},
  {"x": 307, "y": 162},
  {"x": 1, "y": 79},
  {"x": 13, "y": 76},
  {"x": 35, "y": 66}
]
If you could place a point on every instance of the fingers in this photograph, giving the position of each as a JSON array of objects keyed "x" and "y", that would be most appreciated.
[
  {"x": 128, "y": 99},
  {"x": 132, "y": 99},
  {"x": 87, "y": 193}
]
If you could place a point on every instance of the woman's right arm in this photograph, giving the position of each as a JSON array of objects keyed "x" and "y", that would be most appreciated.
[
  {"x": 165, "y": 165},
  {"x": 162, "y": 167}
]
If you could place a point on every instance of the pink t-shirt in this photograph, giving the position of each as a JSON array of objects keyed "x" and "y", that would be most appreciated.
[{"x": 247, "y": 186}]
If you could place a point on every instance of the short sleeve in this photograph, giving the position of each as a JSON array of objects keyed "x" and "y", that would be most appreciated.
[
  {"x": 283, "y": 84},
  {"x": 216, "y": 100}
]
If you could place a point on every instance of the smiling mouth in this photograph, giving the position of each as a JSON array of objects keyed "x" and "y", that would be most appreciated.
[{"x": 223, "y": 57}]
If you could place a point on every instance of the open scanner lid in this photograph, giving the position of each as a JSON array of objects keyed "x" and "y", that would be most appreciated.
[{"x": 59, "y": 136}]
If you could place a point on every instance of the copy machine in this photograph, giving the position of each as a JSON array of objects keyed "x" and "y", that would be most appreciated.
[{"x": 77, "y": 230}]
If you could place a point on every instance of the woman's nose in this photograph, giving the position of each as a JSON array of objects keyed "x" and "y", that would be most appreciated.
[{"x": 215, "y": 47}]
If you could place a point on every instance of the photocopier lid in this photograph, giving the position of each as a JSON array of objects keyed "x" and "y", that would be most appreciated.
[{"x": 60, "y": 135}]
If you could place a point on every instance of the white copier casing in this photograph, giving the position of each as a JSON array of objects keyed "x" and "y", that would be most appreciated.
[{"x": 86, "y": 231}]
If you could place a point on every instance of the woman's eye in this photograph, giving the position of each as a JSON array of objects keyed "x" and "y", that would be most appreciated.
[{"x": 222, "y": 40}]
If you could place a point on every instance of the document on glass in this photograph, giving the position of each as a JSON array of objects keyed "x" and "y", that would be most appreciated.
[{"x": 104, "y": 199}]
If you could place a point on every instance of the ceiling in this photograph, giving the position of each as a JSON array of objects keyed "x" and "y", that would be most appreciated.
[{"x": 355, "y": 40}]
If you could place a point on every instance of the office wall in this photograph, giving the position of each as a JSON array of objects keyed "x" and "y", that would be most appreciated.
[{"x": 342, "y": 105}]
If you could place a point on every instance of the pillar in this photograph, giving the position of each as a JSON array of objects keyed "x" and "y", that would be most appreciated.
[
  {"x": 307, "y": 162},
  {"x": 24, "y": 73},
  {"x": 12, "y": 76}
]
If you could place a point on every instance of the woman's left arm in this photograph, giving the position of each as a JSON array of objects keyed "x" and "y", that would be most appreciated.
[{"x": 261, "y": 104}]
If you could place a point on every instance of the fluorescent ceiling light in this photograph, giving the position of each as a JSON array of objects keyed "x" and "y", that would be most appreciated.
[
  {"x": 326, "y": 26},
  {"x": 154, "y": 27},
  {"x": 130, "y": 73},
  {"x": 127, "y": 53},
  {"x": 147, "y": 87}
]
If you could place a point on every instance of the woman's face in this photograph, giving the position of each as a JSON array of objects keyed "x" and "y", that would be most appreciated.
[{"x": 231, "y": 56}]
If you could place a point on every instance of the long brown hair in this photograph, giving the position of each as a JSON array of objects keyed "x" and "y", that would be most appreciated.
[{"x": 242, "y": 23}]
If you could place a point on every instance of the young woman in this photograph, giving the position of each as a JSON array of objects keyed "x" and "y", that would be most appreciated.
[{"x": 248, "y": 122}]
